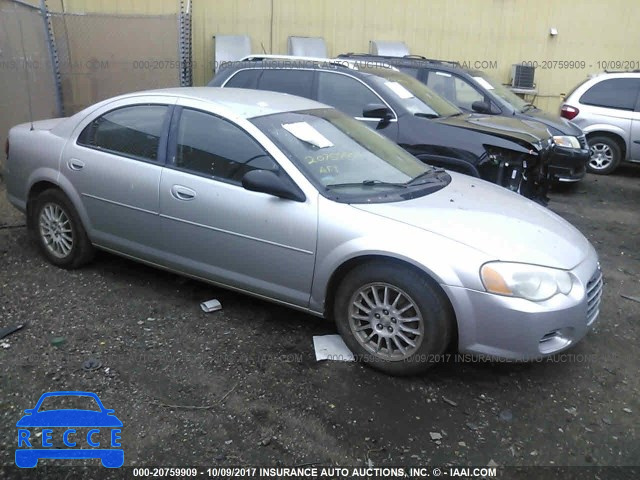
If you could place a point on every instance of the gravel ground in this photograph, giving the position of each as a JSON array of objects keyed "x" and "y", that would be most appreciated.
[{"x": 241, "y": 386}]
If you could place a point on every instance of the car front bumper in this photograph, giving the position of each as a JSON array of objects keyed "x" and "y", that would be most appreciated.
[
  {"x": 500, "y": 327},
  {"x": 568, "y": 164}
]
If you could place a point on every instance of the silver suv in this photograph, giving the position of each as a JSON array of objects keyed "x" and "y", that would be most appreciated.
[{"x": 607, "y": 109}]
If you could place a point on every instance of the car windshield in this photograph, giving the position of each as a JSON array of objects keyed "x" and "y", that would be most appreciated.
[
  {"x": 414, "y": 95},
  {"x": 338, "y": 153},
  {"x": 501, "y": 91}
]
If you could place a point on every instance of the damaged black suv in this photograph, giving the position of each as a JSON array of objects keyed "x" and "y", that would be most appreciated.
[{"x": 502, "y": 150}]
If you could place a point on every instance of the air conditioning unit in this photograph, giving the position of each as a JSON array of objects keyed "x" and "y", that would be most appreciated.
[
  {"x": 307, "y": 47},
  {"x": 390, "y": 49},
  {"x": 522, "y": 76}
]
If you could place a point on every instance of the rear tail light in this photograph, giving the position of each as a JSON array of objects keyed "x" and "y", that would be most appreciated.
[{"x": 569, "y": 112}]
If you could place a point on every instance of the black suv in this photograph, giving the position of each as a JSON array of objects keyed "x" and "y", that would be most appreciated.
[
  {"x": 506, "y": 151},
  {"x": 475, "y": 91}
]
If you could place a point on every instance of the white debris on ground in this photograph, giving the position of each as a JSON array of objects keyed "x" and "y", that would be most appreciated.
[
  {"x": 332, "y": 347},
  {"x": 210, "y": 306}
]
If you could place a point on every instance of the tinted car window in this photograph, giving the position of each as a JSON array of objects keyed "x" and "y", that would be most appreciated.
[
  {"x": 244, "y": 79},
  {"x": 466, "y": 94},
  {"x": 613, "y": 93},
  {"x": 413, "y": 71},
  {"x": 213, "y": 147},
  {"x": 294, "y": 82},
  {"x": 345, "y": 93},
  {"x": 496, "y": 88},
  {"x": 454, "y": 89},
  {"x": 130, "y": 131}
]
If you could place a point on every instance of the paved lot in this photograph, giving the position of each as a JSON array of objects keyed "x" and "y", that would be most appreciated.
[{"x": 262, "y": 399}]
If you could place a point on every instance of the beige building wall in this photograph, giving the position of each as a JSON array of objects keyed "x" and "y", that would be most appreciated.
[{"x": 495, "y": 33}]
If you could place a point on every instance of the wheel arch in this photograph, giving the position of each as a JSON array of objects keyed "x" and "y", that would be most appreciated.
[
  {"x": 39, "y": 186},
  {"x": 613, "y": 135},
  {"x": 348, "y": 265}
]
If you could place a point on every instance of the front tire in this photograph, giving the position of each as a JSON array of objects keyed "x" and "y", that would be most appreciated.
[
  {"x": 392, "y": 318},
  {"x": 58, "y": 231},
  {"x": 605, "y": 155}
]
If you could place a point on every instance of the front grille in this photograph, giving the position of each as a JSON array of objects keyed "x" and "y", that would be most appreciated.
[
  {"x": 594, "y": 295},
  {"x": 583, "y": 142}
]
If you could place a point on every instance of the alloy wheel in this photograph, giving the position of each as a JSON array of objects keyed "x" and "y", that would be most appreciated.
[
  {"x": 55, "y": 230},
  {"x": 386, "y": 321},
  {"x": 601, "y": 156}
]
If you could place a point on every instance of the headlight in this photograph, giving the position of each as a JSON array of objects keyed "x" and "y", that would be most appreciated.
[
  {"x": 525, "y": 281},
  {"x": 566, "y": 141}
]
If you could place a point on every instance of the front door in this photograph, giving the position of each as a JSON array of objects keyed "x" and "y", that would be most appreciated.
[{"x": 213, "y": 228}]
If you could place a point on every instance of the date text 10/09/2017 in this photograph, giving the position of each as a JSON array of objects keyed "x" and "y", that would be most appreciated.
[
  {"x": 607, "y": 65},
  {"x": 316, "y": 472}
]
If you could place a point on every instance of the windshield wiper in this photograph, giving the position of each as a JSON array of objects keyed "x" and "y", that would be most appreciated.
[
  {"x": 423, "y": 176},
  {"x": 528, "y": 107},
  {"x": 367, "y": 183},
  {"x": 427, "y": 115}
]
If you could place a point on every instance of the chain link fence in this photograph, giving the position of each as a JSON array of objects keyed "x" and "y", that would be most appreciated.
[
  {"x": 56, "y": 63},
  {"x": 105, "y": 55},
  {"x": 27, "y": 82}
]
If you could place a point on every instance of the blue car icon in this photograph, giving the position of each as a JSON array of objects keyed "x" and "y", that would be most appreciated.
[{"x": 69, "y": 419}]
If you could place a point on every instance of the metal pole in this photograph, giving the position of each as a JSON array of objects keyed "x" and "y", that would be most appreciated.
[{"x": 53, "y": 54}]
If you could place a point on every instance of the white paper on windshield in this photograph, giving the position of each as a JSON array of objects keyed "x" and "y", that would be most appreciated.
[
  {"x": 399, "y": 90},
  {"x": 484, "y": 83},
  {"x": 305, "y": 132},
  {"x": 443, "y": 74}
]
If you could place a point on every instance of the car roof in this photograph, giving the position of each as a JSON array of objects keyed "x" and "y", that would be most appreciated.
[
  {"x": 288, "y": 62},
  {"x": 242, "y": 102},
  {"x": 417, "y": 61}
]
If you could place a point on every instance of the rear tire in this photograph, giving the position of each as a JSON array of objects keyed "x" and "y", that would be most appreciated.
[
  {"x": 58, "y": 231},
  {"x": 392, "y": 318},
  {"x": 605, "y": 155}
]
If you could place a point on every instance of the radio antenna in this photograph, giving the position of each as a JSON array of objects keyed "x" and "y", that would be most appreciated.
[{"x": 26, "y": 64}]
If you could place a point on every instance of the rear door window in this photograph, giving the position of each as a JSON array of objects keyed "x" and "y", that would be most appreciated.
[
  {"x": 294, "y": 82},
  {"x": 129, "y": 131},
  {"x": 620, "y": 93},
  {"x": 244, "y": 79}
]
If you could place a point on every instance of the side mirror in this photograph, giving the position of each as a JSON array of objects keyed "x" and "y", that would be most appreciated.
[
  {"x": 481, "y": 107},
  {"x": 379, "y": 111},
  {"x": 265, "y": 181}
]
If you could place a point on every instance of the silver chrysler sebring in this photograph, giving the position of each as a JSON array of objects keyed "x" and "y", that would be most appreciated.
[{"x": 289, "y": 200}]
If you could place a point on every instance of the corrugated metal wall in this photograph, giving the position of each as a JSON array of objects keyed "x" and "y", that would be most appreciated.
[{"x": 499, "y": 31}]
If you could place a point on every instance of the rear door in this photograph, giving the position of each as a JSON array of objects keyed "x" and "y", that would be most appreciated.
[
  {"x": 114, "y": 165},
  {"x": 213, "y": 228},
  {"x": 614, "y": 101}
]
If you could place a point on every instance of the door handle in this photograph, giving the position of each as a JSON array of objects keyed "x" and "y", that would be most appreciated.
[
  {"x": 182, "y": 193},
  {"x": 75, "y": 164}
]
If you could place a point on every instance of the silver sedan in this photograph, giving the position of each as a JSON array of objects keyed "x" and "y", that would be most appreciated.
[{"x": 291, "y": 201}]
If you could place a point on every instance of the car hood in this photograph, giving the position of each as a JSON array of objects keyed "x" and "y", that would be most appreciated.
[
  {"x": 492, "y": 219},
  {"x": 530, "y": 131},
  {"x": 562, "y": 126},
  {"x": 69, "y": 418}
]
